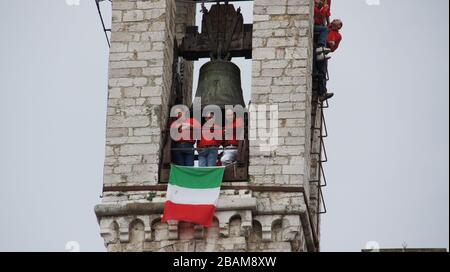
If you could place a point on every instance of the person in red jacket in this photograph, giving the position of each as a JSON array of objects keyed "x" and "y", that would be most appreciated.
[
  {"x": 321, "y": 15},
  {"x": 328, "y": 2},
  {"x": 321, "y": 12},
  {"x": 182, "y": 133},
  {"x": 208, "y": 146},
  {"x": 334, "y": 37},
  {"x": 234, "y": 133},
  {"x": 333, "y": 41}
]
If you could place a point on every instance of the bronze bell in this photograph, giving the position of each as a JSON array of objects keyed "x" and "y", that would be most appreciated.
[{"x": 220, "y": 84}]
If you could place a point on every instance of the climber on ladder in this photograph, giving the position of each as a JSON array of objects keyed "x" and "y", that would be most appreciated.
[
  {"x": 328, "y": 40},
  {"x": 321, "y": 12}
]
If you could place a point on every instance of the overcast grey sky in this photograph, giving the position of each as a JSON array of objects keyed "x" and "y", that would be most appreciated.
[{"x": 388, "y": 124}]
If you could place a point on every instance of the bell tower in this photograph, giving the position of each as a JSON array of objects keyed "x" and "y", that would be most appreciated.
[{"x": 271, "y": 200}]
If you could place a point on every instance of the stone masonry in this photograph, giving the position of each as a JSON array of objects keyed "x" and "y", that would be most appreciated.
[
  {"x": 140, "y": 75},
  {"x": 270, "y": 212}
]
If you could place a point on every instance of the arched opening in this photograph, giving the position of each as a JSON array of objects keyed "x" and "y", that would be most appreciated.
[
  {"x": 114, "y": 230},
  {"x": 256, "y": 232},
  {"x": 160, "y": 231},
  {"x": 213, "y": 232},
  {"x": 186, "y": 231},
  {"x": 136, "y": 231},
  {"x": 277, "y": 230},
  {"x": 136, "y": 236},
  {"x": 229, "y": 84},
  {"x": 235, "y": 226}
]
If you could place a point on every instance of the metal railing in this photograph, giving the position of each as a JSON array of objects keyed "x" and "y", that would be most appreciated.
[
  {"x": 322, "y": 158},
  {"x": 105, "y": 30},
  {"x": 319, "y": 75}
]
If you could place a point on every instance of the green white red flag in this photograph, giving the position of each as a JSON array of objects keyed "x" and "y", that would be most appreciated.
[{"x": 192, "y": 194}]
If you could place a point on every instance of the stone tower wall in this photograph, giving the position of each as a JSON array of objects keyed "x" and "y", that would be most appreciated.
[
  {"x": 271, "y": 212},
  {"x": 140, "y": 78}
]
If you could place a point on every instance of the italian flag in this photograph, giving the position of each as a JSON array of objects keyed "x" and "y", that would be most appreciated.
[{"x": 192, "y": 194}]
